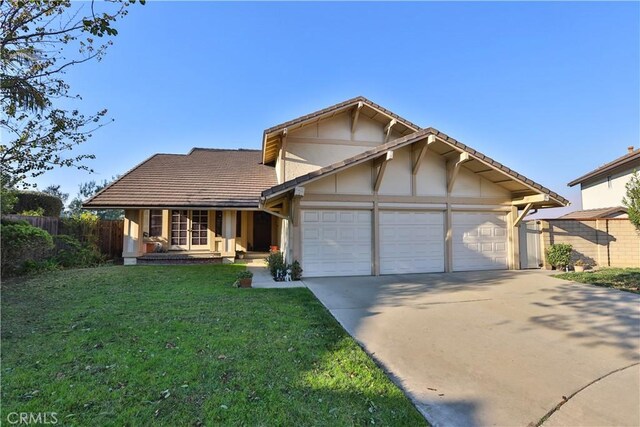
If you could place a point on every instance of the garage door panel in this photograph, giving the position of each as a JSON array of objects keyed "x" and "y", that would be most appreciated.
[
  {"x": 479, "y": 241},
  {"x": 411, "y": 242},
  {"x": 336, "y": 243}
]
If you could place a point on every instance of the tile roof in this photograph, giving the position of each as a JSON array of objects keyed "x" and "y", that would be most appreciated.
[
  {"x": 202, "y": 178},
  {"x": 599, "y": 213},
  {"x": 400, "y": 142},
  {"x": 338, "y": 106},
  {"x": 620, "y": 161}
]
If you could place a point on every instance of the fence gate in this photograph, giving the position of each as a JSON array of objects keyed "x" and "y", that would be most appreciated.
[{"x": 530, "y": 253}]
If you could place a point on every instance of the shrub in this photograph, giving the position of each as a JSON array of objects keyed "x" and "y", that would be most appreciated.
[
  {"x": 83, "y": 226},
  {"x": 559, "y": 255},
  {"x": 245, "y": 274},
  {"x": 8, "y": 199},
  {"x": 70, "y": 252},
  {"x": 23, "y": 247},
  {"x": 296, "y": 270},
  {"x": 35, "y": 212},
  {"x": 33, "y": 200},
  {"x": 275, "y": 263}
]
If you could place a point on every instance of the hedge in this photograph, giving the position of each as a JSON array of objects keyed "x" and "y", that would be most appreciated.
[
  {"x": 23, "y": 246},
  {"x": 33, "y": 201}
]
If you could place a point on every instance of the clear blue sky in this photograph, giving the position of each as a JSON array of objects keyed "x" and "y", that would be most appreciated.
[{"x": 552, "y": 90}]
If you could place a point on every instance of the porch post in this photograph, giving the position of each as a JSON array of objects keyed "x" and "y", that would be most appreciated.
[
  {"x": 132, "y": 236},
  {"x": 229, "y": 235}
]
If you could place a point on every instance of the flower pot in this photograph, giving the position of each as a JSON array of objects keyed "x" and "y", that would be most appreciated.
[
  {"x": 150, "y": 247},
  {"x": 245, "y": 283},
  {"x": 578, "y": 268},
  {"x": 273, "y": 248}
]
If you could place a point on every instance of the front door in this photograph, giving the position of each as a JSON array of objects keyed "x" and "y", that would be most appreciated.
[
  {"x": 261, "y": 231},
  {"x": 189, "y": 229}
]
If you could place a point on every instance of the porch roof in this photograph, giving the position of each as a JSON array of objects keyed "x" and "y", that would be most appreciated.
[{"x": 204, "y": 177}]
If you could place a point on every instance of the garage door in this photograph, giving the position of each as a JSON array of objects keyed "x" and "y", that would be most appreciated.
[
  {"x": 411, "y": 242},
  {"x": 479, "y": 241},
  {"x": 336, "y": 243}
]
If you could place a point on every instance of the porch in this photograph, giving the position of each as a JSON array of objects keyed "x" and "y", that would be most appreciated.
[{"x": 194, "y": 236}]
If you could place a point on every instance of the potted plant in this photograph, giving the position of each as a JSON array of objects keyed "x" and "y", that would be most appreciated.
[
  {"x": 244, "y": 279},
  {"x": 240, "y": 254},
  {"x": 579, "y": 266}
]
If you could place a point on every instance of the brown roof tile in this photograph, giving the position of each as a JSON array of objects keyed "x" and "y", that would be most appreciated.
[
  {"x": 620, "y": 161},
  {"x": 595, "y": 213},
  {"x": 202, "y": 178}
]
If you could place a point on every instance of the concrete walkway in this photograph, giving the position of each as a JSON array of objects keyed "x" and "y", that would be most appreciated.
[
  {"x": 498, "y": 348},
  {"x": 262, "y": 278}
]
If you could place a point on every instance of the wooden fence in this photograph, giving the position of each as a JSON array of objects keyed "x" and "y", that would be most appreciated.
[{"x": 109, "y": 233}]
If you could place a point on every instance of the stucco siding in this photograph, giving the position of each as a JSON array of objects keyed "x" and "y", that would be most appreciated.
[
  {"x": 605, "y": 191},
  {"x": 329, "y": 141},
  {"x": 431, "y": 179},
  {"x": 397, "y": 176},
  {"x": 469, "y": 184},
  {"x": 355, "y": 180}
]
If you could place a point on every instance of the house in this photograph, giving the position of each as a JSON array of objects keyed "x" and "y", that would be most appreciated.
[
  {"x": 603, "y": 188},
  {"x": 600, "y": 234},
  {"x": 352, "y": 189}
]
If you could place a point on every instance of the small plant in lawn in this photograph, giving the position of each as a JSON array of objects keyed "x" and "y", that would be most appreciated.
[
  {"x": 244, "y": 279},
  {"x": 559, "y": 255}
]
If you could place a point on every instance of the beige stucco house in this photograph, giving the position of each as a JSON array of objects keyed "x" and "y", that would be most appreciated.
[
  {"x": 605, "y": 186},
  {"x": 352, "y": 189}
]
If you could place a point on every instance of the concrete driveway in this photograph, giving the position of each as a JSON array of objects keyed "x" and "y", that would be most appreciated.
[{"x": 498, "y": 348}]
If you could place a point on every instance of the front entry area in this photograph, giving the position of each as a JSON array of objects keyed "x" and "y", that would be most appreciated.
[
  {"x": 261, "y": 231},
  {"x": 189, "y": 229}
]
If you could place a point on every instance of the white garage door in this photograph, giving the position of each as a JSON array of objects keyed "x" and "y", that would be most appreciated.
[
  {"x": 479, "y": 241},
  {"x": 336, "y": 243},
  {"x": 411, "y": 242}
]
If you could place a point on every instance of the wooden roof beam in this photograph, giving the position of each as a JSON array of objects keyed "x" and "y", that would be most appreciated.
[
  {"x": 382, "y": 161},
  {"x": 453, "y": 167},
  {"x": 536, "y": 198},
  {"x": 354, "y": 117},
  {"x": 524, "y": 213},
  {"x": 424, "y": 146},
  {"x": 387, "y": 129}
]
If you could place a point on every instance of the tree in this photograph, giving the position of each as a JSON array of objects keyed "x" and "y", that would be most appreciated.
[
  {"x": 632, "y": 200},
  {"x": 54, "y": 190},
  {"x": 85, "y": 191},
  {"x": 40, "y": 40}
]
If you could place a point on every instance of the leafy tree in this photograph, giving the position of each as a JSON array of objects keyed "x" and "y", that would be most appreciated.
[
  {"x": 632, "y": 199},
  {"x": 39, "y": 41},
  {"x": 54, "y": 190},
  {"x": 85, "y": 191}
]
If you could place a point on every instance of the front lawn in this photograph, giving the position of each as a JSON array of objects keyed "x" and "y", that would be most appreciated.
[
  {"x": 626, "y": 279},
  {"x": 177, "y": 345}
]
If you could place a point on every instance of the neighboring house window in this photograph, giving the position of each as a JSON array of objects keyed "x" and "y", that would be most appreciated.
[
  {"x": 238, "y": 223},
  {"x": 155, "y": 222},
  {"x": 609, "y": 181},
  {"x": 218, "y": 223}
]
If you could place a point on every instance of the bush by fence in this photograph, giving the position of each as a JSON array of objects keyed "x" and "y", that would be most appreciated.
[
  {"x": 105, "y": 234},
  {"x": 23, "y": 247}
]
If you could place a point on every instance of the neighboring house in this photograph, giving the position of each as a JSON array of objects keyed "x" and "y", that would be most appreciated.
[
  {"x": 604, "y": 187},
  {"x": 601, "y": 233},
  {"x": 352, "y": 189}
]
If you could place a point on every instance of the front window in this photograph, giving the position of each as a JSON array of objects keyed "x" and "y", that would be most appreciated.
[{"x": 155, "y": 222}]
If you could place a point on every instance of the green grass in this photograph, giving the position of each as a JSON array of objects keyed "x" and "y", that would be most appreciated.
[
  {"x": 178, "y": 345},
  {"x": 626, "y": 279}
]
